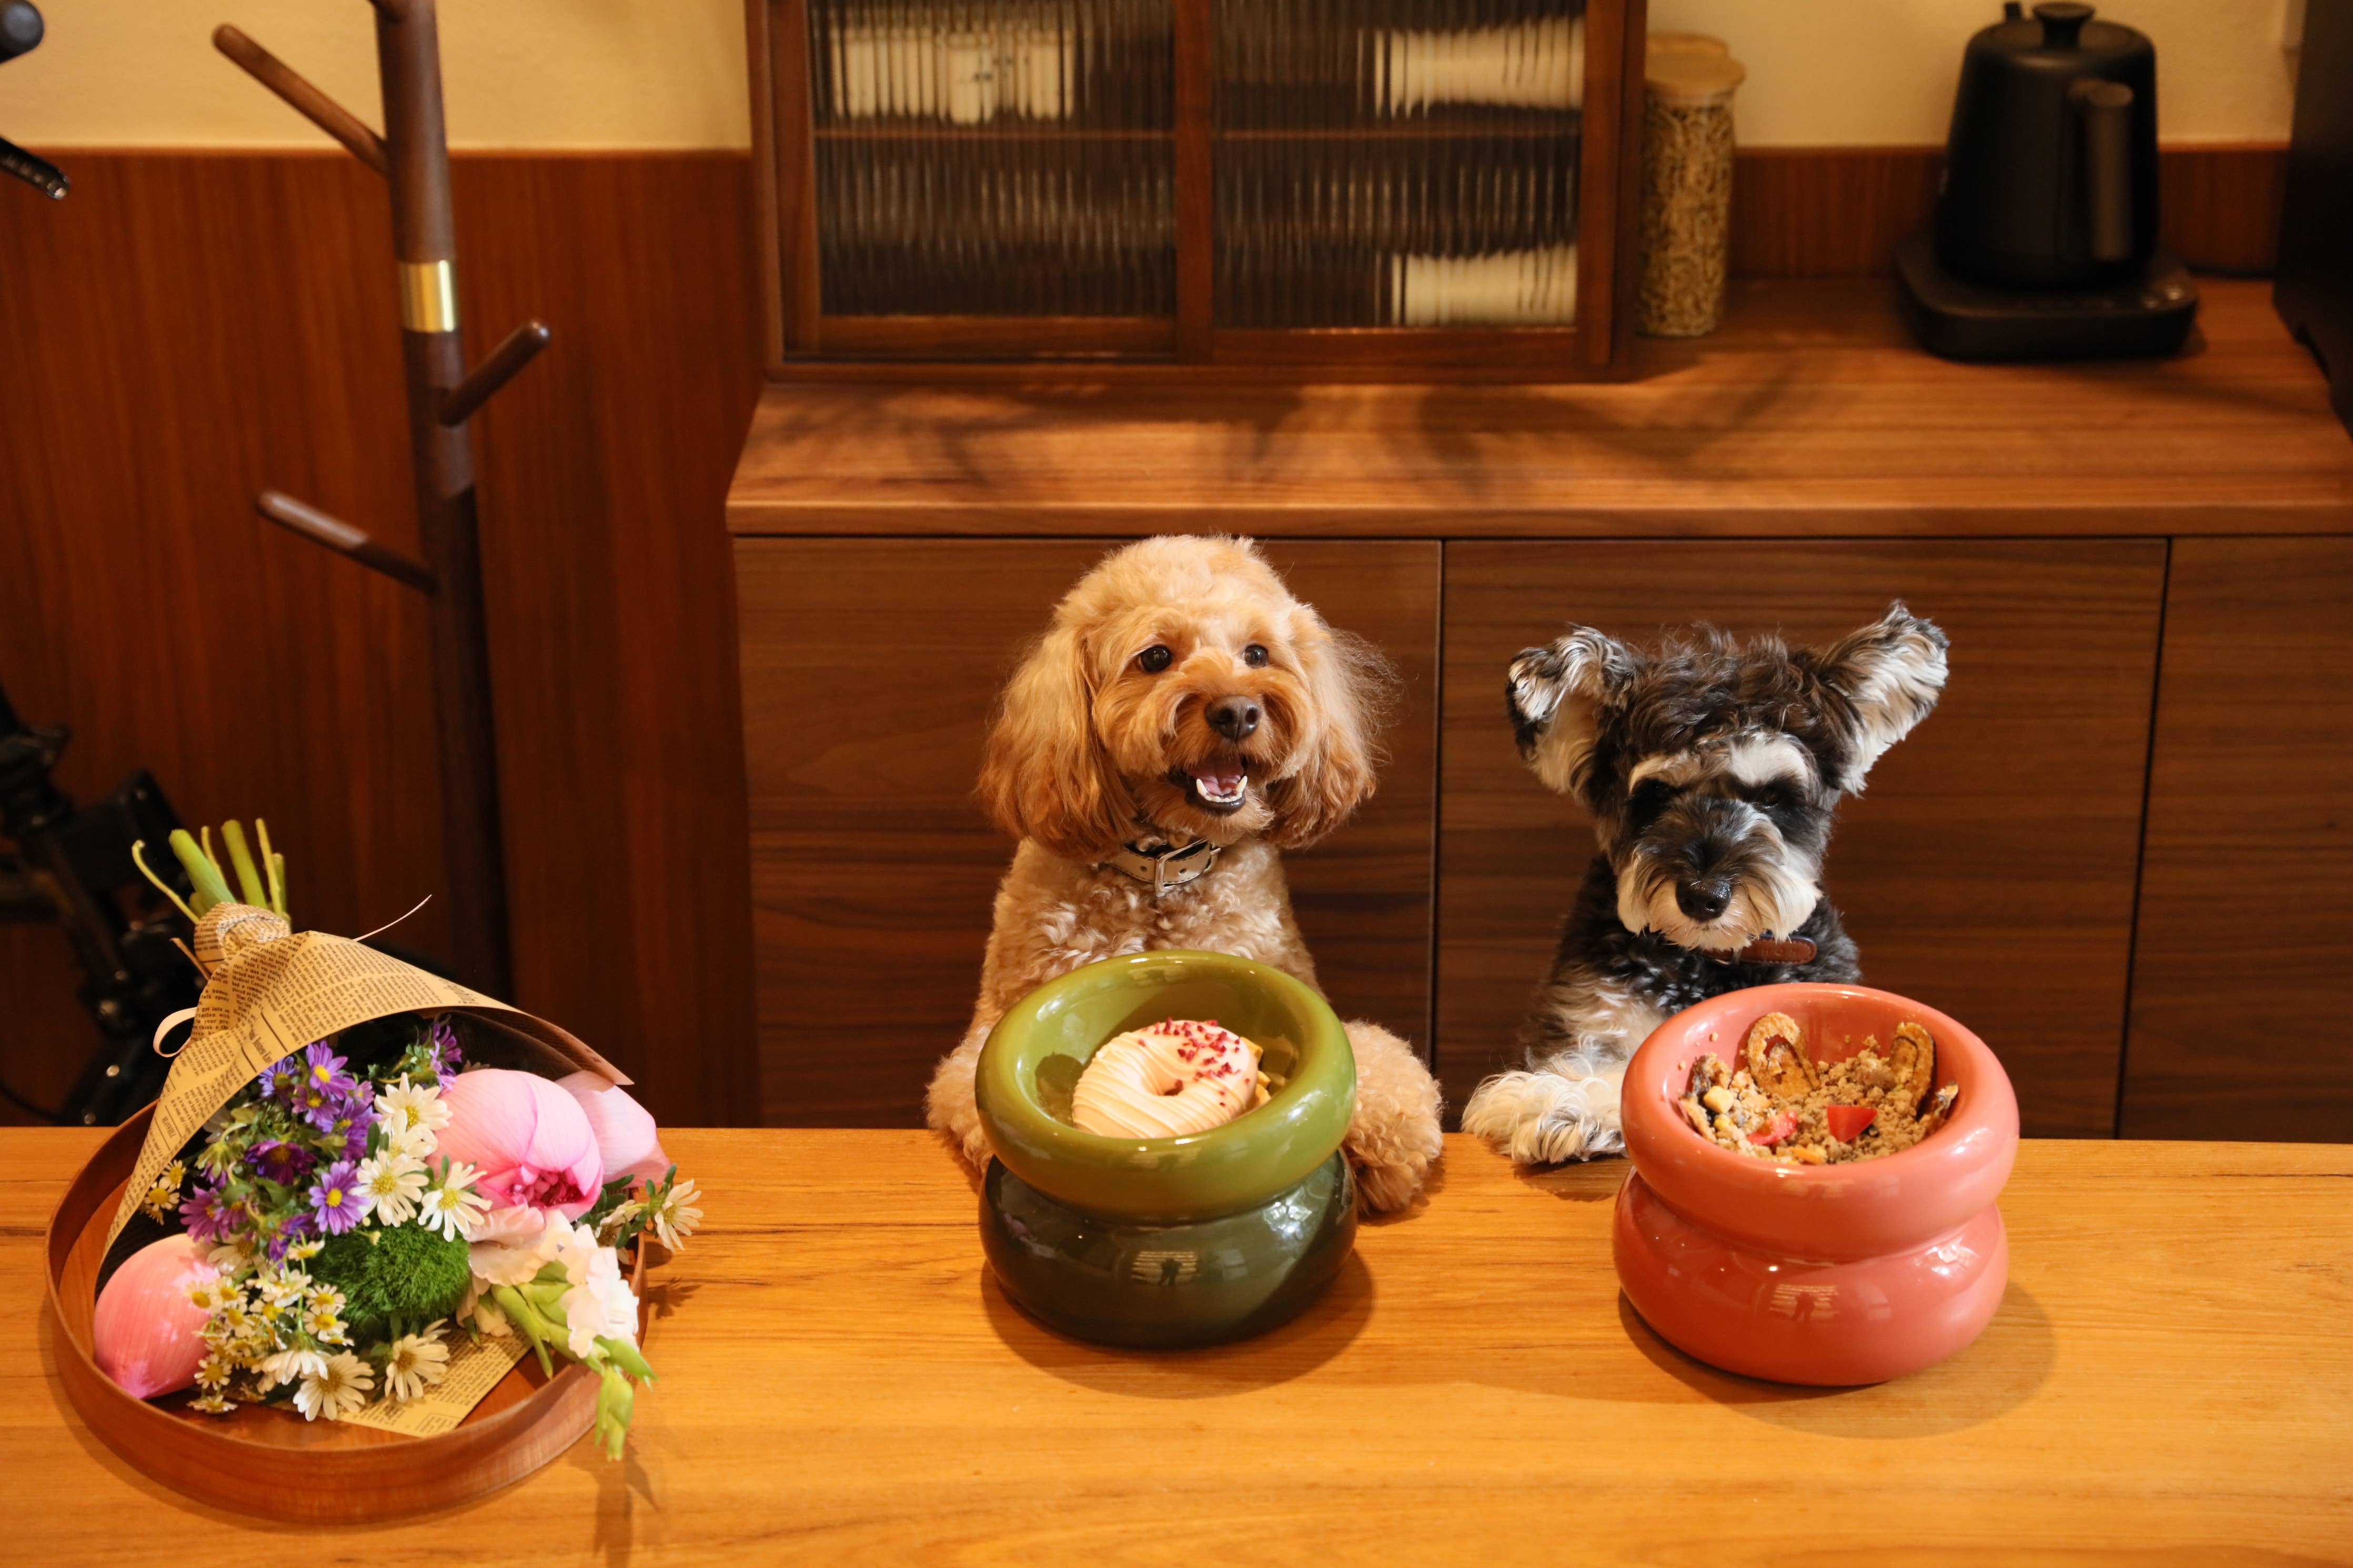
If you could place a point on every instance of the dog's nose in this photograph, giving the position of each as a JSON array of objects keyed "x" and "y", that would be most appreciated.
[
  {"x": 1702, "y": 900},
  {"x": 1235, "y": 718}
]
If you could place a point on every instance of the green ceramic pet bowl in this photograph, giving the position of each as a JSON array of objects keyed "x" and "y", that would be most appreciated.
[{"x": 1163, "y": 1242}]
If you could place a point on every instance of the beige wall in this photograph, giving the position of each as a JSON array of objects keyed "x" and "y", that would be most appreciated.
[
  {"x": 669, "y": 73},
  {"x": 1882, "y": 71}
]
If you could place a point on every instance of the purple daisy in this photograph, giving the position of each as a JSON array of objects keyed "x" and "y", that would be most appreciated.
[
  {"x": 447, "y": 1057},
  {"x": 336, "y": 1199},
  {"x": 281, "y": 1162},
  {"x": 285, "y": 1234},
  {"x": 209, "y": 1212}
]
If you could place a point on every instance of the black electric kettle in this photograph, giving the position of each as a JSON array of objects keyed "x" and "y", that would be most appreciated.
[{"x": 2051, "y": 175}]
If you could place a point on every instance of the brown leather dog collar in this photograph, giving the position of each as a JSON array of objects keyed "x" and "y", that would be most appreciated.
[{"x": 1165, "y": 866}]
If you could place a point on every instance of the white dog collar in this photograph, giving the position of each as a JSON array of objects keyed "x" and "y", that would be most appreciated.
[{"x": 1170, "y": 866}]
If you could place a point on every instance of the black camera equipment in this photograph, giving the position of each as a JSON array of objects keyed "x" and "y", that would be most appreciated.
[
  {"x": 74, "y": 868},
  {"x": 20, "y": 34}
]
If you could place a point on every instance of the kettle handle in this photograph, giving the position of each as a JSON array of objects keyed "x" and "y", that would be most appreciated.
[{"x": 2106, "y": 108}]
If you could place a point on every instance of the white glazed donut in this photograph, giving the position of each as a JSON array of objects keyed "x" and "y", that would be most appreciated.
[{"x": 1176, "y": 1076}]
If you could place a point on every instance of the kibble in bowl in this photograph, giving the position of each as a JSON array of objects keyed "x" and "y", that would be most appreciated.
[{"x": 1854, "y": 1269}]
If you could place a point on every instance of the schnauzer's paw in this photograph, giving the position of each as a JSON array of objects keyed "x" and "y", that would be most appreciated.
[{"x": 1546, "y": 1118}]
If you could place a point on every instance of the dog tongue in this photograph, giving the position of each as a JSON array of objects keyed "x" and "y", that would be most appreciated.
[{"x": 1221, "y": 784}]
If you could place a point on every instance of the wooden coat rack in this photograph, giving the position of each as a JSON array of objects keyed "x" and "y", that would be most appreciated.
[{"x": 413, "y": 156}]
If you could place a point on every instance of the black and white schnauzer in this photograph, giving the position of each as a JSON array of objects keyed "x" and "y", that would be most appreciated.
[{"x": 1710, "y": 768}]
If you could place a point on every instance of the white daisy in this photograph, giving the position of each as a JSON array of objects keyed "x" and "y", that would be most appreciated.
[
  {"x": 303, "y": 1251},
  {"x": 210, "y": 1296},
  {"x": 287, "y": 1286},
  {"x": 212, "y": 1403},
  {"x": 339, "y": 1387},
  {"x": 410, "y": 1114},
  {"x": 213, "y": 1372},
  {"x": 321, "y": 1319},
  {"x": 417, "y": 1363},
  {"x": 289, "y": 1366},
  {"x": 394, "y": 1183},
  {"x": 452, "y": 1205},
  {"x": 674, "y": 1216},
  {"x": 231, "y": 1258}
]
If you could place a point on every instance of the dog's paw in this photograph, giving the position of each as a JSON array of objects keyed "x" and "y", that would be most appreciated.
[
  {"x": 1546, "y": 1118},
  {"x": 1385, "y": 1189}
]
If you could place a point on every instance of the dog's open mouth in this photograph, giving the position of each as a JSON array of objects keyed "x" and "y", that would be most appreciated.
[{"x": 1219, "y": 790}]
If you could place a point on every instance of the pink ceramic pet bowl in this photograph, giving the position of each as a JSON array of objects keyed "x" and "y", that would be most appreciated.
[{"x": 1819, "y": 1274}]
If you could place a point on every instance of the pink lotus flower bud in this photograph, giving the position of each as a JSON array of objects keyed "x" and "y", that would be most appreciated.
[
  {"x": 626, "y": 1134},
  {"x": 530, "y": 1140},
  {"x": 145, "y": 1328}
]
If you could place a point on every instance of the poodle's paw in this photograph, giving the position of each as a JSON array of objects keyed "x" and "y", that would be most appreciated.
[
  {"x": 1567, "y": 1110},
  {"x": 1395, "y": 1134},
  {"x": 951, "y": 1109},
  {"x": 1385, "y": 1189}
]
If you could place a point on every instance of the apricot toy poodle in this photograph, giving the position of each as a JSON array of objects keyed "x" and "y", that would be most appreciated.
[{"x": 1183, "y": 722}]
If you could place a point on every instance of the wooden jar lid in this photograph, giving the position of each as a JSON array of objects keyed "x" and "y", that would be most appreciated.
[{"x": 1685, "y": 68}]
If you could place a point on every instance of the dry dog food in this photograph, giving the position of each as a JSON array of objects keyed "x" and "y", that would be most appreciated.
[{"x": 1778, "y": 1103}]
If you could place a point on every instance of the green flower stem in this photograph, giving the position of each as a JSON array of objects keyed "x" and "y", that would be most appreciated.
[
  {"x": 273, "y": 865},
  {"x": 139, "y": 858},
  {"x": 210, "y": 889},
  {"x": 248, "y": 879},
  {"x": 527, "y": 1322}
]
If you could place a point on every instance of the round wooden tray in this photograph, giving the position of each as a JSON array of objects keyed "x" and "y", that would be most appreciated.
[{"x": 271, "y": 1462}]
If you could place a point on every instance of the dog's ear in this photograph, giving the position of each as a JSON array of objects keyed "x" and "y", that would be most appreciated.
[
  {"x": 1044, "y": 774},
  {"x": 1555, "y": 696},
  {"x": 1346, "y": 683},
  {"x": 1880, "y": 682}
]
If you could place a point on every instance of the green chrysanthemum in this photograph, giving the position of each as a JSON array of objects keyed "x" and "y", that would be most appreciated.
[{"x": 406, "y": 1272}]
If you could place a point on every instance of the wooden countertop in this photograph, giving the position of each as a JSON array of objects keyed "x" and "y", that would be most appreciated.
[
  {"x": 1809, "y": 413},
  {"x": 2166, "y": 1380}
]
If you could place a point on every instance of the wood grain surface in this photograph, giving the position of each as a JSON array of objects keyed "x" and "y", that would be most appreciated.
[
  {"x": 2243, "y": 978},
  {"x": 870, "y": 670},
  {"x": 1810, "y": 413},
  {"x": 2164, "y": 1383},
  {"x": 190, "y": 328},
  {"x": 1987, "y": 870},
  {"x": 1837, "y": 212}
]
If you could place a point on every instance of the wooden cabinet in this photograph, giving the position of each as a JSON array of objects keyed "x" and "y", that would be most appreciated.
[
  {"x": 1988, "y": 867},
  {"x": 870, "y": 670},
  {"x": 898, "y": 540},
  {"x": 2243, "y": 975}
]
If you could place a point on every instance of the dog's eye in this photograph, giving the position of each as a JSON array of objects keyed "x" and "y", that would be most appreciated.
[
  {"x": 1153, "y": 659},
  {"x": 1651, "y": 796},
  {"x": 1773, "y": 795},
  {"x": 1254, "y": 656}
]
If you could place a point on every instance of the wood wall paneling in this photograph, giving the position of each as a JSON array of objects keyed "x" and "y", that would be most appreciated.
[
  {"x": 1837, "y": 212},
  {"x": 2243, "y": 967},
  {"x": 870, "y": 670},
  {"x": 189, "y": 328},
  {"x": 1989, "y": 869}
]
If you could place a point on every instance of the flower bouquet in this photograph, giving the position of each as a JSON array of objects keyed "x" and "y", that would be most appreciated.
[{"x": 373, "y": 1226}]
